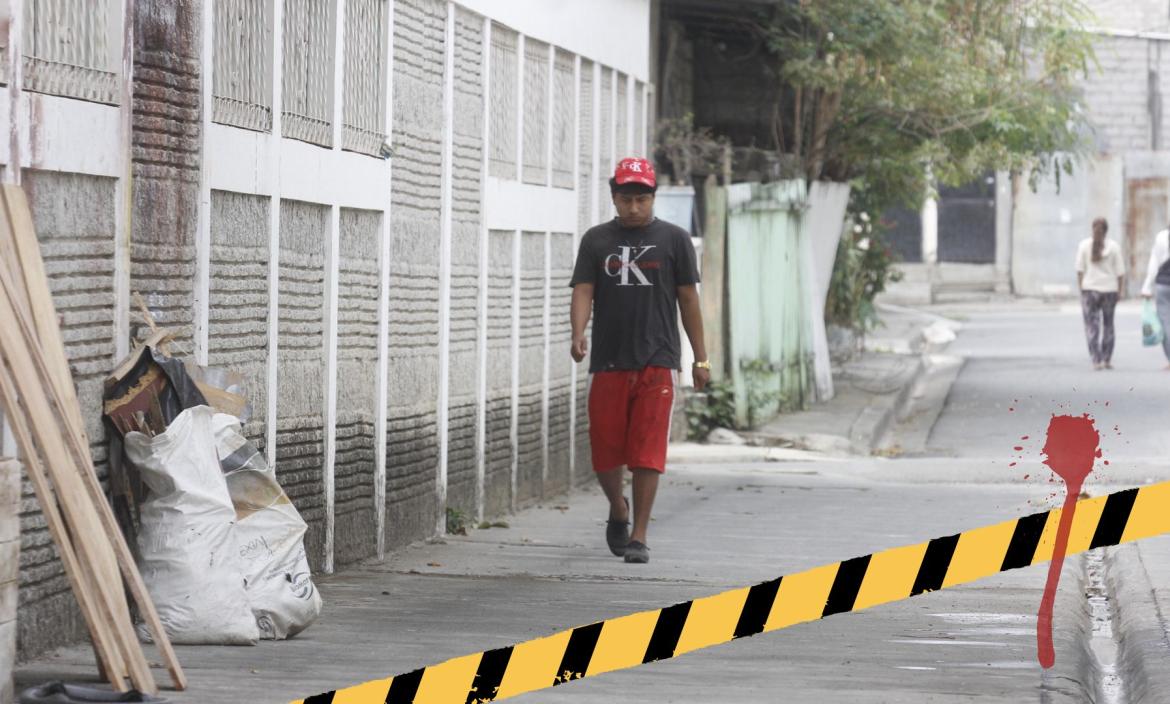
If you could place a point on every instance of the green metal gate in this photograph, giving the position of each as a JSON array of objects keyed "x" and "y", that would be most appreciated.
[{"x": 770, "y": 335}]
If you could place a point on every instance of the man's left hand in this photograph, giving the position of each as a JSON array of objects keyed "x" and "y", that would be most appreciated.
[{"x": 701, "y": 376}]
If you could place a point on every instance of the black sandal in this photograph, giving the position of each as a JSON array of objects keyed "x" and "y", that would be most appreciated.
[{"x": 617, "y": 533}]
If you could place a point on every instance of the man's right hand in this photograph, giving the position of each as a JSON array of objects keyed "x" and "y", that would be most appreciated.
[{"x": 580, "y": 348}]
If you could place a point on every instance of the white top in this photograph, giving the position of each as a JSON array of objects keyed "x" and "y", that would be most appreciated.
[
  {"x": 1100, "y": 275},
  {"x": 1158, "y": 256}
]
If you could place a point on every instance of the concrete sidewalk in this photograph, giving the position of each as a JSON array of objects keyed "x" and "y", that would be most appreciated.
[{"x": 716, "y": 527}]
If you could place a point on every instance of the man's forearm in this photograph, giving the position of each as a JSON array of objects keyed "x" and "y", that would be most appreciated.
[
  {"x": 580, "y": 308},
  {"x": 692, "y": 319}
]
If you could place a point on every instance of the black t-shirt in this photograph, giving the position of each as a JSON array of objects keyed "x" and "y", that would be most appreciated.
[{"x": 635, "y": 272}]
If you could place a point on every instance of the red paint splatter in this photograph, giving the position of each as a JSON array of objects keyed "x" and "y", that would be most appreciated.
[
  {"x": 1071, "y": 448},
  {"x": 1017, "y": 448},
  {"x": 1027, "y": 475},
  {"x": 1011, "y": 464}
]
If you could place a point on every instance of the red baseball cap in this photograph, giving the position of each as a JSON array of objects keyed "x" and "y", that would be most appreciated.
[{"x": 635, "y": 170}]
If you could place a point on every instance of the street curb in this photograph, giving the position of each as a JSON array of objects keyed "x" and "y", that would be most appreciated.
[
  {"x": 1142, "y": 640},
  {"x": 879, "y": 416},
  {"x": 1073, "y": 678}
]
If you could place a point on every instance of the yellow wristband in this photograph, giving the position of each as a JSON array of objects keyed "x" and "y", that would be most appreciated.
[{"x": 702, "y": 365}]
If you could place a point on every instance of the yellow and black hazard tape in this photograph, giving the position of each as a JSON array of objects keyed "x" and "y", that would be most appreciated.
[{"x": 852, "y": 585}]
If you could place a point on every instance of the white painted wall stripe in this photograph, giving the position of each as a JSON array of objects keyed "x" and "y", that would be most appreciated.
[
  {"x": 202, "y": 293},
  {"x": 382, "y": 411},
  {"x": 445, "y": 269},
  {"x": 545, "y": 428},
  {"x": 273, "y": 165},
  {"x": 482, "y": 313},
  {"x": 514, "y": 432},
  {"x": 332, "y": 293},
  {"x": 123, "y": 204},
  {"x": 576, "y": 238}
]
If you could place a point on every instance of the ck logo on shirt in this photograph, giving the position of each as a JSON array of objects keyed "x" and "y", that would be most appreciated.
[{"x": 626, "y": 263}]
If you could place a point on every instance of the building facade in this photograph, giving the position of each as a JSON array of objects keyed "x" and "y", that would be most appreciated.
[{"x": 368, "y": 207}]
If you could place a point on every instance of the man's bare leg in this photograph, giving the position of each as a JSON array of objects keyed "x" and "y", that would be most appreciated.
[
  {"x": 645, "y": 489},
  {"x": 611, "y": 484}
]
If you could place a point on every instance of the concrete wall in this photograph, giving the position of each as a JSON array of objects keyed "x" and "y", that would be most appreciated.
[
  {"x": 1123, "y": 96},
  {"x": 402, "y": 323},
  {"x": 9, "y": 572},
  {"x": 1047, "y": 225}
]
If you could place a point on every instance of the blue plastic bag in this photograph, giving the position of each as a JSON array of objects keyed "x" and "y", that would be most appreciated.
[{"x": 1152, "y": 331}]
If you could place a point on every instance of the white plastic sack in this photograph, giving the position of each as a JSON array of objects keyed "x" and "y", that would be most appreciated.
[
  {"x": 189, "y": 549},
  {"x": 271, "y": 537}
]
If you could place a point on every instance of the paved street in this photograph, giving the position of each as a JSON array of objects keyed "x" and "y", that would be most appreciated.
[{"x": 728, "y": 525}]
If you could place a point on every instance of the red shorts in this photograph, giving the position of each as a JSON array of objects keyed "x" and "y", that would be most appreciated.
[{"x": 629, "y": 418}]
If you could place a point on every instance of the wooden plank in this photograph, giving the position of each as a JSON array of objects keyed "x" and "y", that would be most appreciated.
[
  {"x": 36, "y": 284},
  {"x": 48, "y": 334},
  {"x": 20, "y": 229},
  {"x": 32, "y": 379},
  {"x": 99, "y": 632}
]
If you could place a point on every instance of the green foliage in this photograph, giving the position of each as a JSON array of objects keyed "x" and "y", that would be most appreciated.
[
  {"x": 763, "y": 392},
  {"x": 863, "y": 268},
  {"x": 875, "y": 91},
  {"x": 690, "y": 149},
  {"x": 714, "y": 407},
  {"x": 457, "y": 522}
]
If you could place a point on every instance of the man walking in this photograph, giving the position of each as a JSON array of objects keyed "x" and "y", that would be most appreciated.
[{"x": 634, "y": 274}]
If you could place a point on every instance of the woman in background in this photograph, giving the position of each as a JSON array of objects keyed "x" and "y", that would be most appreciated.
[
  {"x": 1157, "y": 285},
  {"x": 1100, "y": 276}
]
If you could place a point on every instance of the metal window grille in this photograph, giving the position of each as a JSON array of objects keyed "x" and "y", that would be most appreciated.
[
  {"x": 503, "y": 110},
  {"x": 307, "y": 73},
  {"x": 585, "y": 140},
  {"x": 623, "y": 115},
  {"x": 562, "y": 148},
  {"x": 242, "y": 65},
  {"x": 605, "y": 143},
  {"x": 68, "y": 49},
  {"x": 363, "y": 127},
  {"x": 639, "y": 145},
  {"x": 535, "y": 112}
]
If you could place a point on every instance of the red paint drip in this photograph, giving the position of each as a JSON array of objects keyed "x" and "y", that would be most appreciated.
[{"x": 1071, "y": 448}]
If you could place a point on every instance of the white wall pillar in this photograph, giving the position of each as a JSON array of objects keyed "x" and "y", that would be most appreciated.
[
  {"x": 576, "y": 238},
  {"x": 273, "y": 216},
  {"x": 332, "y": 293},
  {"x": 1004, "y": 205},
  {"x": 382, "y": 410},
  {"x": 445, "y": 268},
  {"x": 482, "y": 313},
  {"x": 514, "y": 433},
  {"x": 200, "y": 297}
]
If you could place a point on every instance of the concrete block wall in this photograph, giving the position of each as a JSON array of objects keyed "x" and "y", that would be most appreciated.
[
  {"x": 300, "y": 366},
  {"x": 466, "y": 167},
  {"x": 560, "y": 364},
  {"x": 238, "y": 300},
  {"x": 10, "y": 496},
  {"x": 498, "y": 430},
  {"x": 359, "y": 281},
  {"x": 1134, "y": 15},
  {"x": 166, "y": 135},
  {"x": 530, "y": 459},
  {"x": 1116, "y": 93},
  {"x": 587, "y": 182},
  {"x": 412, "y": 448},
  {"x": 287, "y": 285}
]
